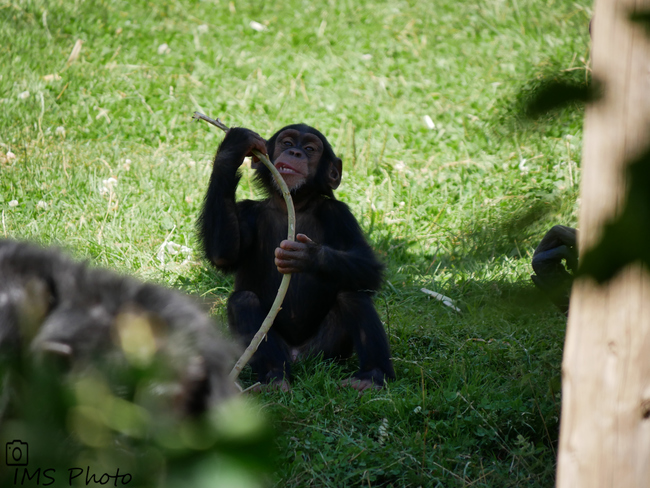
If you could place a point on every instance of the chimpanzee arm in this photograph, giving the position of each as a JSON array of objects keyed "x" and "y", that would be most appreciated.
[
  {"x": 221, "y": 227},
  {"x": 344, "y": 258},
  {"x": 353, "y": 267}
]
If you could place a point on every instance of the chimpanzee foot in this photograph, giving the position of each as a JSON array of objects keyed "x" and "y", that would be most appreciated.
[
  {"x": 365, "y": 380},
  {"x": 360, "y": 385},
  {"x": 275, "y": 385}
]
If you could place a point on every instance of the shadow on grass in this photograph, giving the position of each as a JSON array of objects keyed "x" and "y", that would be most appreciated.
[
  {"x": 483, "y": 243},
  {"x": 514, "y": 236},
  {"x": 548, "y": 99}
]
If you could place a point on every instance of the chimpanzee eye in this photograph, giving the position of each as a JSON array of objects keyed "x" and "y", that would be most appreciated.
[
  {"x": 287, "y": 143},
  {"x": 309, "y": 148}
]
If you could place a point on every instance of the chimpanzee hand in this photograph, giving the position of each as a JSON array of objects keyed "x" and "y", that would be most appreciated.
[
  {"x": 296, "y": 256},
  {"x": 239, "y": 144},
  {"x": 559, "y": 243}
]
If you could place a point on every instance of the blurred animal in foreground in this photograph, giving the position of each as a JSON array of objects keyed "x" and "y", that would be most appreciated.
[
  {"x": 551, "y": 276},
  {"x": 56, "y": 310}
]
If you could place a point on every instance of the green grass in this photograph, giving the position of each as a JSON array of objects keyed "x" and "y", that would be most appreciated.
[{"x": 453, "y": 209}]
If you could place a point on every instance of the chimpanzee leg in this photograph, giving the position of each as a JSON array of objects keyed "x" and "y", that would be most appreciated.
[
  {"x": 332, "y": 339},
  {"x": 245, "y": 316},
  {"x": 353, "y": 321}
]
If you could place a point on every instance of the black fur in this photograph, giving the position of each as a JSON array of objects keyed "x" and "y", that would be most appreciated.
[
  {"x": 52, "y": 304},
  {"x": 328, "y": 308}
]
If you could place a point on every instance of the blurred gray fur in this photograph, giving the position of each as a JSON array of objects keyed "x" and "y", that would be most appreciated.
[{"x": 51, "y": 305}]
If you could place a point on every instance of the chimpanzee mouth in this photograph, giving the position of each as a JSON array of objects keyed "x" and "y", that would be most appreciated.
[{"x": 284, "y": 168}]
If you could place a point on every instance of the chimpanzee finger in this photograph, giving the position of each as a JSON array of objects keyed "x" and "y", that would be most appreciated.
[
  {"x": 259, "y": 144},
  {"x": 304, "y": 239},
  {"x": 285, "y": 267},
  {"x": 288, "y": 271},
  {"x": 288, "y": 245},
  {"x": 284, "y": 253},
  {"x": 288, "y": 256},
  {"x": 284, "y": 261}
]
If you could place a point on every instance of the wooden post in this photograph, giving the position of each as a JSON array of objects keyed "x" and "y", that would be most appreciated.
[{"x": 605, "y": 425}]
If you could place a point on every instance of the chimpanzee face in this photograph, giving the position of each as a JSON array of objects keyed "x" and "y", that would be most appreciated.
[{"x": 296, "y": 156}]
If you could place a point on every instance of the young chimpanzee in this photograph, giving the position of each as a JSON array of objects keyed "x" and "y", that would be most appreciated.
[{"x": 328, "y": 308}]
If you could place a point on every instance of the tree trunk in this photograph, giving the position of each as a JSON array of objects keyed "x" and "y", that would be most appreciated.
[{"x": 605, "y": 426}]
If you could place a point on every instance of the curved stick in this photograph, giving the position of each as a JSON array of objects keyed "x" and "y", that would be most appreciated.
[{"x": 291, "y": 235}]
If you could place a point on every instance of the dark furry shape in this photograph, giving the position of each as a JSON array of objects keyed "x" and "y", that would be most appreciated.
[
  {"x": 51, "y": 305},
  {"x": 559, "y": 244},
  {"x": 328, "y": 308}
]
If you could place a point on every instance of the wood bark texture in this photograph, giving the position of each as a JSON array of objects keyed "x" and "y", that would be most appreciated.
[{"x": 605, "y": 426}]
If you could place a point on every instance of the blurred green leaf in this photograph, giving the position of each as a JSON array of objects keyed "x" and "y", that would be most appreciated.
[
  {"x": 642, "y": 18},
  {"x": 91, "y": 421},
  {"x": 626, "y": 239}
]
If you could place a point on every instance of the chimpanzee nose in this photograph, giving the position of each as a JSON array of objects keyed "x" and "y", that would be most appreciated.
[{"x": 295, "y": 152}]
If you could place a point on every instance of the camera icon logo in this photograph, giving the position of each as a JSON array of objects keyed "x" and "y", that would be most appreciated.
[{"x": 17, "y": 452}]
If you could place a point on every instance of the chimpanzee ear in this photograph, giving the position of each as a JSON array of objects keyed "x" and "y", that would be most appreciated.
[
  {"x": 255, "y": 162},
  {"x": 335, "y": 173}
]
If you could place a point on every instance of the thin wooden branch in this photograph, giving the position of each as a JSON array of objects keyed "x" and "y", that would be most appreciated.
[
  {"x": 291, "y": 235},
  {"x": 445, "y": 300}
]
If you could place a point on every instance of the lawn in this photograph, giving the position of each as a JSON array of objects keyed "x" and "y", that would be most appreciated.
[{"x": 453, "y": 188}]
